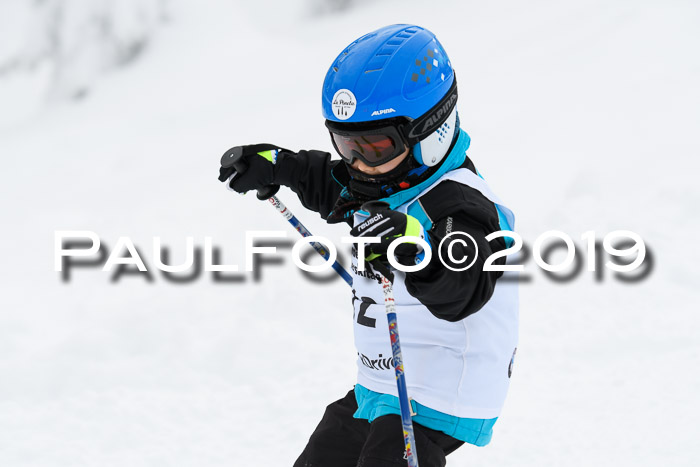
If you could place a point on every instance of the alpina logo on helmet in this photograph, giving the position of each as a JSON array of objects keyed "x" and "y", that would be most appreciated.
[
  {"x": 344, "y": 104},
  {"x": 441, "y": 113},
  {"x": 382, "y": 112},
  {"x": 434, "y": 120}
]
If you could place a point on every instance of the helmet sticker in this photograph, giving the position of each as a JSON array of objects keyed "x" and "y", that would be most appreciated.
[{"x": 344, "y": 104}]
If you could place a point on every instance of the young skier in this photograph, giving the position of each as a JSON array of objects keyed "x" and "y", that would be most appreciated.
[{"x": 389, "y": 100}]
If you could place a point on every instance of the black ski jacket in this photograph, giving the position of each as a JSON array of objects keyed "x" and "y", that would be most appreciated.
[{"x": 451, "y": 295}]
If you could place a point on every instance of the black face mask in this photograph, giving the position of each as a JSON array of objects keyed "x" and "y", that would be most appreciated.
[{"x": 378, "y": 186}]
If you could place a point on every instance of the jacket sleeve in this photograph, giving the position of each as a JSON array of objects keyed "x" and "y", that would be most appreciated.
[
  {"x": 311, "y": 175},
  {"x": 454, "y": 295}
]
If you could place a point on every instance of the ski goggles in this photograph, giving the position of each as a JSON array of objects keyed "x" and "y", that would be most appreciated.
[{"x": 373, "y": 146}]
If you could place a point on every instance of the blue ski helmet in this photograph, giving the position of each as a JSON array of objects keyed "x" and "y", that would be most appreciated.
[{"x": 396, "y": 71}]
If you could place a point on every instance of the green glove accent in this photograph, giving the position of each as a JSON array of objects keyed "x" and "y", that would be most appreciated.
[
  {"x": 269, "y": 155},
  {"x": 413, "y": 227},
  {"x": 371, "y": 256}
]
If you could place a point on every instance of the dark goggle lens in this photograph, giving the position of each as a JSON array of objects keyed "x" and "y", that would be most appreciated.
[{"x": 371, "y": 149}]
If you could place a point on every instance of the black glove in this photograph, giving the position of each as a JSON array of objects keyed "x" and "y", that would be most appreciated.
[
  {"x": 389, "y": 225},
  {"x": 250, "y": 167}
]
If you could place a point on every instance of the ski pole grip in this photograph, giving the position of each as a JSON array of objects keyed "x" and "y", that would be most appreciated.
[
  {"x": 234, "y": 158},
  {"x": 375, "y": 207}
]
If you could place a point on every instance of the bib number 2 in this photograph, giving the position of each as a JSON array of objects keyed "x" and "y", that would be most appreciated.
[{"x": 362, "y": 317}]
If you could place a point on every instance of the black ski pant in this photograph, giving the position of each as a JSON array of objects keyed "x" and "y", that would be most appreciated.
[{"x": 343, "y": 441}]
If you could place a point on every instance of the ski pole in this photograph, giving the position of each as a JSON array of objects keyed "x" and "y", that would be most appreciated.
[
  {"x": 409, "y": 438},
  {"x": 390, "y": 306}
]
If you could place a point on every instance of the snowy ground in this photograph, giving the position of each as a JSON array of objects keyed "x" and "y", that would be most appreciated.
[{"x": 583, "y": 115}]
